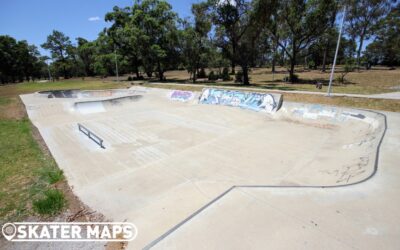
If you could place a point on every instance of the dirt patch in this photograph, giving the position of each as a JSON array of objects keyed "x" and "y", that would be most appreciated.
[{"x": 13, "y": 110}]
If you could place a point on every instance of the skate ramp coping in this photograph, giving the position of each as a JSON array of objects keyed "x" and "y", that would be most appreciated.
[
  {"x": 76, "y": 93},
  {"x": 98, "y": 106}
]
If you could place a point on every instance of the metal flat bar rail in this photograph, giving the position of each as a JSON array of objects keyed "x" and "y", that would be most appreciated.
[{"x": 91, "y": 135}]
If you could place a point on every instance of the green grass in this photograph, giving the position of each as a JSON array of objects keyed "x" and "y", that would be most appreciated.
[
  {"x": 25, "y": 173},
  {"x": 4, "y": 101},
  {"x": 67, "y": 84},
  {"x": 51, "y": 175},
  {"x": 52, "y": 202}
]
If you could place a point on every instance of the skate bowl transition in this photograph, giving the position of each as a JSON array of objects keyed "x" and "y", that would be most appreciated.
[{"x": 170, "y": 155}]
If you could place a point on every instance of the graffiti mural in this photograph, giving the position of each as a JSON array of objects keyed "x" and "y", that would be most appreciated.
[
  {"x": 180, "y": 95},
  {"x": 246, "y": 100}
]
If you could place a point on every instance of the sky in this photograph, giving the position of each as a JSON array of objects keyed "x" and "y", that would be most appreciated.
[{"x": 34, "y": 20}]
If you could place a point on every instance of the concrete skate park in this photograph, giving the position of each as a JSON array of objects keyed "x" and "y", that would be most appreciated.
[{"x": 225, "y": 169}]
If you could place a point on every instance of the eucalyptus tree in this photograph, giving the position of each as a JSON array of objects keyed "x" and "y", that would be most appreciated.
[
  {"x": 86, "y": 51},
  {"x": 154, "y": 26},
  {"x": 239, "y": 23},
  {"x": 363, "y": 17},
  {"x": 297, "y": 24},
  {"x": 58, "y": 44},
  {"x": 385, "y": 49},
  {"x": 123, "y": 38},
  {"x": 194, "y": 43},
  {"x": 19, "y": 61}
]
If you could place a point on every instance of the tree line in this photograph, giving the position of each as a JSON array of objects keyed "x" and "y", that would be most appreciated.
[{"x": 149, "y": 38}]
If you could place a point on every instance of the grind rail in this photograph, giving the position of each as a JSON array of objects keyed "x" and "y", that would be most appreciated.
[{"x": 91, "y": 135}]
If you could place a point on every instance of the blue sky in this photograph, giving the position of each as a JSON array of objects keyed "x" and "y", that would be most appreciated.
[{"x": 33, "y": 20}]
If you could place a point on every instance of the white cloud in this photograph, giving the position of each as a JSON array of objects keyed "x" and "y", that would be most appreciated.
[{"x": 94, "y": 19}]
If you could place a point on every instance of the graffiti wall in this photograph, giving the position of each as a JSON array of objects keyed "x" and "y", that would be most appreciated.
[
  {"x": 247, "y": 100},
  {"x": 180, "y": 95}
]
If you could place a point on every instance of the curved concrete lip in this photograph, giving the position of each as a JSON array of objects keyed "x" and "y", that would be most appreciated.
[{"x": 166, "y": 161}]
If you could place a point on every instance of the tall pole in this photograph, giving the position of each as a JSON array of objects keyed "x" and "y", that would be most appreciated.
[
  {"x": 336, "y": 53},
  {"x": 116, "y": 62}
]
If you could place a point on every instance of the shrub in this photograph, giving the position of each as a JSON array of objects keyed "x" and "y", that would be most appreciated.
[
  {"x": 52, "y": 175},
  {"x": 348, "y": 67},
  {"x": 239, "y": 76},
  {"x": 212, "y": 76},
  {"x": 130, "y": 78},
  {"x": 311, "y": 65},
  {"x": 51, "y": 204},
  {"x": 202, "y": 73},
  {"x": 295, "y": 78},
  {"x": 225, "y": 74}
]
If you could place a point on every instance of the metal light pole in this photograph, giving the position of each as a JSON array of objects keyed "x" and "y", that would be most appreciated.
[
  {"x": 116, "y": 63},
  {"x": 336, "y": 53}
]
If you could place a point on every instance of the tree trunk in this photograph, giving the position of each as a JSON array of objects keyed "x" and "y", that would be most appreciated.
[
  {"x": 194, "y": 78},
  {"x": 65, "y": 72},
  {"x": 137, "y": 73},
  {"x": 324, "y": 58},
  {"x": 274, "y": 57},
  {"x": 292, "y": 62},
  {"x": 245, "y": 71},
  {"x": 359, "y": 51},
  {"x": 273, "y": 64},
  {"x": 160, "y": 72},
  {"x": 233, "y": 62}
]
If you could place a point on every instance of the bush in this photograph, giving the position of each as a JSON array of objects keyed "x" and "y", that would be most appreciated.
[
  {"x": 311, "y": 65},
  {"x": 295, "y": 78},
  {"x": 239, "y": 76},
  {"x": 202, "y": 73},
  {"x": 212, "y": 76},
  {"x": 225, "y": 74},
  {"x": 52, "y": 203},
  {"x": 348, "y": 67},
  {"x": 134, "y": 78},
  {"x": 52, "y": 175}
]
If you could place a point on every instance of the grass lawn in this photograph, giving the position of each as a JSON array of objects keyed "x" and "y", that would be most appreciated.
[
  {"x": 374, "y": 81},
  {"x": 25, "y": 172}
]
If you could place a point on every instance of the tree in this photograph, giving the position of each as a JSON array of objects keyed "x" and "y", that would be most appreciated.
[
  {"x": 363, "y": 17},
  {"x": 239, "y": 24},
  {"x": 19, "y": 61},
  {"x": 58, "y": 44},
  {"x": 385, "y": 49},
  {"x": 153, "y": 25},
  {"x": 123, "y": 37},
  {"x": 194, "y": 41},
  {"x": 301, "y": 23},
  {"x": 86, "y": 51},
  {"x": 329, "y": 35}
]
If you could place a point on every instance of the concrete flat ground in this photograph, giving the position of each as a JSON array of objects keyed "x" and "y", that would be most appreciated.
[{"x": 164, "y": 160}]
